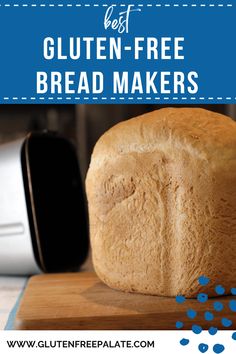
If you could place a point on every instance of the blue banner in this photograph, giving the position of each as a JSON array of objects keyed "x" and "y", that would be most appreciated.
[{"x": 72, "y": 51}]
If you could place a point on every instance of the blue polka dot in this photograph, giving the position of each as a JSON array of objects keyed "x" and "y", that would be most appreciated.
[
  {"x": 179, "y": 324},
  {"x": 184, "y": 341},
  {"x": 234, "y": 336},
  {"x": 212, "y": 331},
  {"x": 208, "y": 316},
  {"x": 196, "y": 329},
  {"x": 180, "y": 299},
  {"x": 202, "y": 297},
  {"x": 203, "y": 280},
  {"x": 232, "y": 305},
  {"x": 226, "y": 322},
  {"x": 233, "y": 291},
  {"x": 203, "y": 348},
  {"x": 219, "y": 290},
  {"x": 218, "y": 306},
  {"x": 218, "y": 348},
  {"x": 191, "y": 313}
]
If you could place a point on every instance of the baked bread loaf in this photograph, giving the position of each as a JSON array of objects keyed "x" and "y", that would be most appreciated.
[{"x": 161, "y": 190}]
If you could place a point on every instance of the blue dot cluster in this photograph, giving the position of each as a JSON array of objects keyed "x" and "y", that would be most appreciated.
[
  {"x": 184, "y": 341},
  {"x": 203, "y": 348},
  {"x": 219, "y": 290},
  {"x": 196, "y": 329},
  {"x": 209, "y": 316},
  {"x": 232, "y": 305},
  {"x": 212, "y": 331},
  {"x": 218, "y": 306},
  {"x": 179, "y": 324},
  {"x": 202, "y": 297},
  {"x": 191, "y": 313}
]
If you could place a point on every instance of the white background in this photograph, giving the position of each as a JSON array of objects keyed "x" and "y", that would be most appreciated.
[{"x": 166, "y": 342}]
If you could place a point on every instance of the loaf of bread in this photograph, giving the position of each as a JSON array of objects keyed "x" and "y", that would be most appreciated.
[{"x": 161, "y": 190}]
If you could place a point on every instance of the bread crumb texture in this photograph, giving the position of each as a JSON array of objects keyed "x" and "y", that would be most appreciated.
[{"x": 161, "y": 191}]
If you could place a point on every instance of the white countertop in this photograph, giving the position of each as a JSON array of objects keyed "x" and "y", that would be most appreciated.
[{"x": 10, "y": 289}]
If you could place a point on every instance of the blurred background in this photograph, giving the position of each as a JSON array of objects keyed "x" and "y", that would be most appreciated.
[{"x": 82, "y": 124}]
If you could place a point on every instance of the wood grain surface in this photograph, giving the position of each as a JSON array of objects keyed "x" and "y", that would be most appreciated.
[{"x": 81, "y": 301}]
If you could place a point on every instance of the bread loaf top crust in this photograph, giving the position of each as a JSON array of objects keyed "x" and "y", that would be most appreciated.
[{"x": 202, "y": 132}]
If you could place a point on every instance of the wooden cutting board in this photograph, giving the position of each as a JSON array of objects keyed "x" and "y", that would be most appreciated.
[{"x": 82, "y": 301}]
